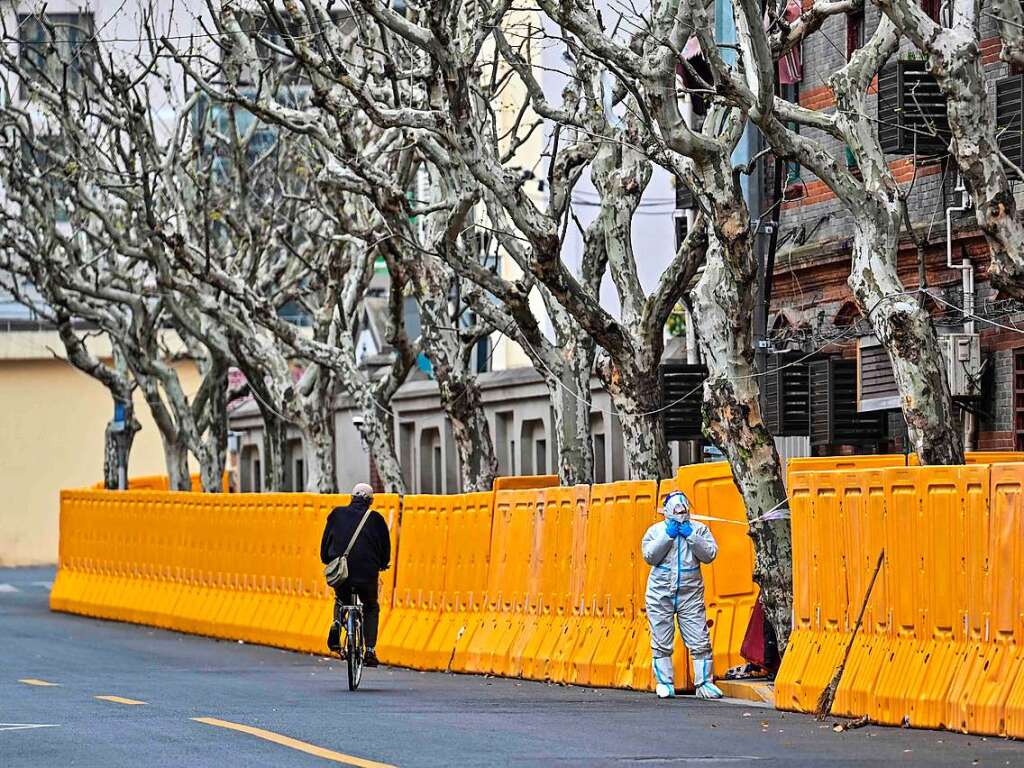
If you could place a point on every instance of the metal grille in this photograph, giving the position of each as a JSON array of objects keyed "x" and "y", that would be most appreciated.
[
  {"x": 877, "y": 384},
  {"x": 1010, "y": 126},
  {"x": 684, "y": 197},
  {"x": 682, "y": 227},
  {"x": 912, "y": 110},
  {"x": 682, "y": 394},
  {"x": 833, "y": 406},
  {"x": 786, "y": 394}
]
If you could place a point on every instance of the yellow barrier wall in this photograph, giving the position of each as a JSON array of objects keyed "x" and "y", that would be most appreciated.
[
  {"x": 237, "y": 566},
  {"x": 883, "y": 460},
  {"x": 161, "y": 483},
  {"x": 541, "y": 581},
  {"x": 941, "y": 642}
]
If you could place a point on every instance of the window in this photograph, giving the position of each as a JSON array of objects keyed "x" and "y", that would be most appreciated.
[
  {"x": 47, "y": 159},
  {"x": 541, "y": 460},
  {"x": 55, "y": 49},
  {"x": 220, "y": 128},
  {"x": 600, "y": 472},
  {"x": 438, "y": 470},
  {"x": 932, "y": 7},
  {"x": 854, "y": 31},
  {"x": 257, "y": 476}
]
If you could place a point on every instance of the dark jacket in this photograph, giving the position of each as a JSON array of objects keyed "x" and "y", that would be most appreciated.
[{"x": 371, "y": 552}]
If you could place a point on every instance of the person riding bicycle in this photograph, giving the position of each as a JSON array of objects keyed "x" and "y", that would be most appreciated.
[{"x": 370, "y": 554}]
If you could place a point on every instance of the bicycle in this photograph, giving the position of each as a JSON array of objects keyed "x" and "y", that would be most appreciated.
[{"x": 355, "y": 641}]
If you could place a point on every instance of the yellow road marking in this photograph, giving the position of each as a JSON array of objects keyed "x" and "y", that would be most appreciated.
[
  {"x": 118, "y": 700},
  {"x": 40, "y": 683},
  {"x": 286, "y": 741}
]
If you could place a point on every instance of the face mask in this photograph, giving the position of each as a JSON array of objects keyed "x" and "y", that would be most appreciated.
[{"x": 674, "y": 510}]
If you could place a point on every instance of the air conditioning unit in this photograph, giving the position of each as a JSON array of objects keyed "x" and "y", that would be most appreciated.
[
  {"x": 876, "y": 385},
  {"x": 963, "y": 363}
]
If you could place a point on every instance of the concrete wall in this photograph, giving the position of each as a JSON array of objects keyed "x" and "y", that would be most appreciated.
[
  {"x": 521, "y": 423},
  {"x": 51, "y": 437}
]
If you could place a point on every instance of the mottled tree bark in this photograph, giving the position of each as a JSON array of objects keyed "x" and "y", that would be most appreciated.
[
  {"x": 318, "y": 448},
  {"x": 570, "y": 406},
  {"x": 723, "y": 310},
  {"x": 275, "y": 439},
  {"x": 906, "y": 331},
  {"x": 636, "y": 395},
  {"x": 378, "y": 434},
  {"x": 176, "y": 460},
  {"x": 954, "y": 57},
  {"x": 117, "y": 448}
]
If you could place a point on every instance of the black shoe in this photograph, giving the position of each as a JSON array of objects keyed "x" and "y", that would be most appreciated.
[
  {"x": 334, "y": 637},
  {"x": 370, "y": 659}
]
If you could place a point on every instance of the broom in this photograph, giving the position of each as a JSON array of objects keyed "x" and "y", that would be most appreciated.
[{"x": 828, "y": 695}]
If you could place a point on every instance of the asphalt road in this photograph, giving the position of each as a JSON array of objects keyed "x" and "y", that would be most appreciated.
[{"x": 178, "y": 700}]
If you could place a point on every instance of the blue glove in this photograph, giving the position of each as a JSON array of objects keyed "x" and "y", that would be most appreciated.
[
  {"x": 672, "y": 528},
  {"x": 686, "y": 529}
]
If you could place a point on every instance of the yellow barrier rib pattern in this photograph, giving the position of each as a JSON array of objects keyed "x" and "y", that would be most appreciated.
[
  {"x": 530, "y": 580},
  {"x": 942, "y": 643}
]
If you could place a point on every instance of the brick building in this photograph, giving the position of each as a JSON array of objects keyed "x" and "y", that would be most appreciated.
[{"x": 811, "y": 306}]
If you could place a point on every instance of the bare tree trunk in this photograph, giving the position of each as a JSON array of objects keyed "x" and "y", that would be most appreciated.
[
  {"x": 636, "y": 395},
  {"x": 176, "y": 458},
  {"x": 732, "y": 420},
  {"x": 118, "y": 440},
  {"x": 905, "y": 329},
  {"x": 570, "y": 405},
  {"x": 378, "y": 433},
  {"x": 478, "y": 464},
  {"x": 318, "y": 448},
  {"x": 275, "y": 438},
  {"x": 213, "y": 456}
]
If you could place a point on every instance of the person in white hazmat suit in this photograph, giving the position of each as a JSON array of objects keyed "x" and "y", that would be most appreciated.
[{"x": 675, "y": 550}]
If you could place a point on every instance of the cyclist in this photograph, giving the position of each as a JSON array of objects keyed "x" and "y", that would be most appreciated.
[{"x": 370, "y": 554}]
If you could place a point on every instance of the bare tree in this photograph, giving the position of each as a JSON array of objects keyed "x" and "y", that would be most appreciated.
[
  {"x": 874, "y": 201},
  {"x": 79, "y": 159},
  {"x": 367, "y": 159},
  {"x": 722, "y": 301},
  {"x": 953, "y": 50}
]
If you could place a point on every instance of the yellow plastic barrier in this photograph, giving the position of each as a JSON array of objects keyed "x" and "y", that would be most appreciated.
[
  {"x": 161, "y": 483},
  {"x": 886, "y": 460},
  {"x": 541, "y": 582},
  {"x": 941, "y": 642},
  {"x": 553, "y": 630},
  {"x": 466, "y": 557},
  {"x": 607, "y": 609},
  {"x": 524, "y": 482},
  {"x": 237, "y": 566},
  {"x": 512, "y": 557},
  {"x": 420, "y": 579}
]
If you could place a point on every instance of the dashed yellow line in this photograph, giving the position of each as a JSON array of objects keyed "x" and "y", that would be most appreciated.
[
  {"x": 40, "y": 683},
  {"x": 287, "y": 741},
  {"x": 119, "y": 700}
]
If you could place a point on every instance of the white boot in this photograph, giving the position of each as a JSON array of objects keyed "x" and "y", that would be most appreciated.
[
  {"x": 664, "y": 676},
  {"x": 704, "y": 681}
]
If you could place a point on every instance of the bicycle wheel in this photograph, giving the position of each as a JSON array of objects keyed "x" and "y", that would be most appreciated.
[{"x": 355, "y": 647}]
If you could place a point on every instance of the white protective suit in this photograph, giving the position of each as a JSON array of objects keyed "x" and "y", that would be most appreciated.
[{"x": 675, "y": 591}]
